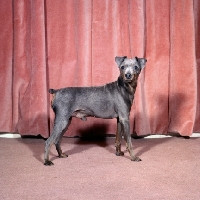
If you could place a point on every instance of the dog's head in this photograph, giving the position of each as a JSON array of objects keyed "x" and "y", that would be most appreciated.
[{"x": 130, "y": 68}]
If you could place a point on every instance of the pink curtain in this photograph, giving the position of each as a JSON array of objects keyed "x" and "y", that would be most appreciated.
[{"x": 60, "y": 43}]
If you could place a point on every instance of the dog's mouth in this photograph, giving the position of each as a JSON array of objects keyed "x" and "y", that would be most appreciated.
[
  {"x": 130, "y": 77},
  {"x": 128, "y": 80}
]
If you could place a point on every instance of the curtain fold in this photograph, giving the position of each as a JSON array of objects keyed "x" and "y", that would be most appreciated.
[
  {"x": 183, "y": 76},
  {"x": 6, "y": 68},
  {"x": 56, "y": 43},
  {"x": 197, "y": 54},
  {"x": 30, "y": 77}
]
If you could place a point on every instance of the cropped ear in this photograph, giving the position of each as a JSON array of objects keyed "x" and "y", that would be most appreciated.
[
  {"x": 141, "y": 61},
  {"x": 119, "y": 60}
]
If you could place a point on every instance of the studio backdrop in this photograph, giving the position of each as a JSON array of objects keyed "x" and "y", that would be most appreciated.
[{"x": 59, "y": 43}]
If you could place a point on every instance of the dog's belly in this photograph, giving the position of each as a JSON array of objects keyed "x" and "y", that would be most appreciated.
[{"x": 97, "y": 109}]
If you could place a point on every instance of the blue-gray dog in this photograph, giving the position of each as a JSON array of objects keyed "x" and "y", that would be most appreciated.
[{"x": 112, "y": 100}]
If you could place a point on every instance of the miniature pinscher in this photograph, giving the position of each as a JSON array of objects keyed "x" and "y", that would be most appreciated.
[{"x": 113, "y": 100}]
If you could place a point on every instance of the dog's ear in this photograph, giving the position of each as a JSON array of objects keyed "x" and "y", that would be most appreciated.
[
  {"x": 119, "y": 59},
  {"x": 141, "y": 61}
]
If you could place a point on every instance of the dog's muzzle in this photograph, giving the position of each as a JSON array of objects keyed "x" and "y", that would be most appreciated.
[{"x": 128, "y": 76}]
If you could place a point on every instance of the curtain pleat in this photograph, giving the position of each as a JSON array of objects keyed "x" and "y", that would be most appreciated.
[{"x": 30, "y": 107}]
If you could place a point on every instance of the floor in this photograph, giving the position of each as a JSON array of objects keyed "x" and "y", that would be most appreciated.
[{"x": 169, "y": 169}]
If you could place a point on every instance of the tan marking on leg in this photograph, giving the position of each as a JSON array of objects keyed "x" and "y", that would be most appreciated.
[{"x": 53, "y": 97}]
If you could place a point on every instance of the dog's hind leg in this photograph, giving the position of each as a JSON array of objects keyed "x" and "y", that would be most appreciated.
[
  {"x": 127, "y": 137},
  {"x": 60, "y": 126},
  {"x": 118, "y": 139},
  {"x": 58, "y": 141}
]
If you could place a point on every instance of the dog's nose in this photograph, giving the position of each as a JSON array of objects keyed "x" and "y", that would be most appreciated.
[{"x": 128, "y": 75}]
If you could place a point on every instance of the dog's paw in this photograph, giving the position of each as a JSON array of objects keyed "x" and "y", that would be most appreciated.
[
  {"x": 63, "y": 155},
  {"x": 136, "y": 159},
  {"x": 119, "y": 153},
  {"x": 48, "y": 163}
]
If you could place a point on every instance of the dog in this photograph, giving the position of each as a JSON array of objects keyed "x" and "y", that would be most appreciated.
[{"x": 113, "y": 100}]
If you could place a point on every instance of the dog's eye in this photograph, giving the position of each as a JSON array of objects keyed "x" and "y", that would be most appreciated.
[
  {"x": 136, "y": 67},
  {"x": 122, "y": 67}
]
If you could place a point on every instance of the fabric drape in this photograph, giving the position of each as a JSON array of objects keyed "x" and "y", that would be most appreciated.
[{"x": 56, "y": 43}]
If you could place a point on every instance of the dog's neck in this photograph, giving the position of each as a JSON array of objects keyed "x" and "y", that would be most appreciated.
[{"x": 130, "y": 87}]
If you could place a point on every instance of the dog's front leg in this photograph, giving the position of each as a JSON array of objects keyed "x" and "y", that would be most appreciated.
[
  {"x": 127, "y": 136},
  {"x": 118, "y": 139}
]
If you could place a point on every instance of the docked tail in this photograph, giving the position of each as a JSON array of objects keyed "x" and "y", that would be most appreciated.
[{"x": 52, "y": 91}]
